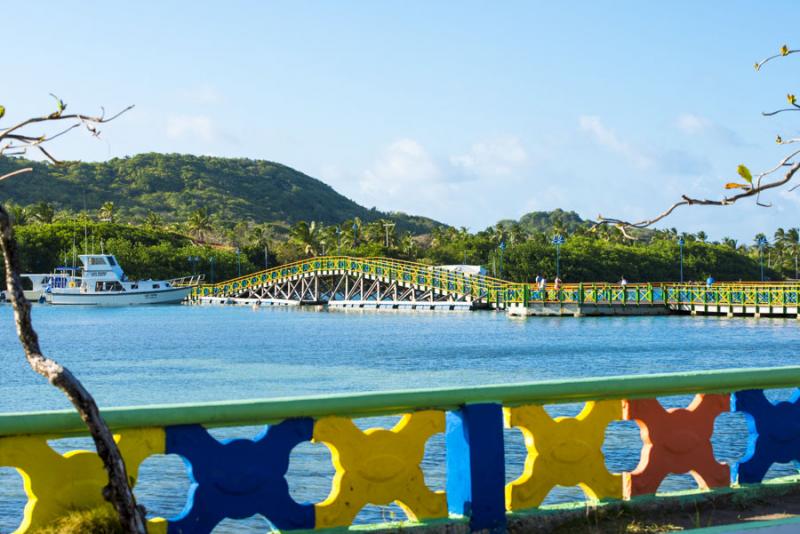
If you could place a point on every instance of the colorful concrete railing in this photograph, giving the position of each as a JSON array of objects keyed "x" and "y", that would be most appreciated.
[
  {"x": 480, "y": 287},
  {"x": 242, "y": 477}
]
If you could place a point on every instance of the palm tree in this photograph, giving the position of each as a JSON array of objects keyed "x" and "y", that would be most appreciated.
[
  {"x": 107, "y": 212},
  {"x": 729, "y": 242},
  {"x": 153, "y": 220},
  {"x": 307, "y": 236},
  {"x": 43, "y": 212},
  {"x": 517, "y": 233},
  {"x": 702, "y": 236},
  {"x": 793, "y": 240},
  {"x": 407, "y": 244},
  {"x": 199, "y": 224},
  {"x": 19, "y": 214}
]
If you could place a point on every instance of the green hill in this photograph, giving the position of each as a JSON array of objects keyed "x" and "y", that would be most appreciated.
[
  {"x": 545, "y": 221},
  {"x": 174, "y": 185}
]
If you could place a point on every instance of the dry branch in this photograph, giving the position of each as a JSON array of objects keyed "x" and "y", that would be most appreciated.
[
  {"x": 118, "y": 492},
  {"x": 754, "y": 186}
]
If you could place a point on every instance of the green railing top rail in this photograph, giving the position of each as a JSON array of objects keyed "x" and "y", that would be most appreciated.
[
  {"x": 495, "y": 283},
  {"x": 252, "y": 412}
]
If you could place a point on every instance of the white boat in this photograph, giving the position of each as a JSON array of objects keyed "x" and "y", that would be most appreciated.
[
  {"x": 103, "y": 283},
  {"x": 36, "y": 286}
]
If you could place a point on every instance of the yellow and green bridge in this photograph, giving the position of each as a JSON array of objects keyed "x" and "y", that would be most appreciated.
[
  {"x": 239, "y": 478},
  {"x": 384, "y": 283}
]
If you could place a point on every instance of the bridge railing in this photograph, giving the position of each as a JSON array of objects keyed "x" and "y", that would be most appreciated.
[
  {"x": 436, "y": 278},
  {"x": 241, "y": 477},
  {"x": 585, "y": 294},
  {"x": 666, "y": 294},
  {"x": 735, "y": 294}
]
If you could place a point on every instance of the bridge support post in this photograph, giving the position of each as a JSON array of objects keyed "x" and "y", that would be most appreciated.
[{"x": 476, "y": 466}]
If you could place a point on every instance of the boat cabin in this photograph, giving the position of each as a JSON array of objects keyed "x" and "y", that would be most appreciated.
[{"x": 102, "y": 267}]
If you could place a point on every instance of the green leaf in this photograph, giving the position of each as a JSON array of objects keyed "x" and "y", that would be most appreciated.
[
  {"x": 744, "y": 172},
  {"x": 2, "y": 111}
]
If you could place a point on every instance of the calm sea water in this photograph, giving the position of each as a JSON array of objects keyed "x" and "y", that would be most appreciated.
[{"x": 145, "y": 355}]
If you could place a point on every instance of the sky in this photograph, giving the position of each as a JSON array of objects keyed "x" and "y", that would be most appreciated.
[{"x": 466, "y": 112}]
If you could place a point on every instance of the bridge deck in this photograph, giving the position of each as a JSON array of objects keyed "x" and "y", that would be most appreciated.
[{"x": 384, "y": 283}]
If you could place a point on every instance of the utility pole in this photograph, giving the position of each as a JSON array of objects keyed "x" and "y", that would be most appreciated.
[
  {"x": 762, "y": 241},
  {"x": 558, "y": 240},
  {"x": 386, "y": 226}
]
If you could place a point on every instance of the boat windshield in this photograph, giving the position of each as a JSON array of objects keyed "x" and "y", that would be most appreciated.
[{"x": 108, "y": 286}]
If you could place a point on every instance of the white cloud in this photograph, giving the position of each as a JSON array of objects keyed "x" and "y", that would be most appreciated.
[
  {"x": 191, "y": 126},
  {"x": 486, "y": 179},
  {"x": 608, "y": 139},
  {"x": 697, "y": 125},
  {"x": 693, "y": 124},
  {"x": 402, "y": 166},
  {"x": 494, "y": 157}
]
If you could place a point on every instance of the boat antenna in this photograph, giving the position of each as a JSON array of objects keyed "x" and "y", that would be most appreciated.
[{"x": 74, "y": 252}]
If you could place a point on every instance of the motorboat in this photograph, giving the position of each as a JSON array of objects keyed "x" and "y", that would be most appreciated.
[
  {"x": 102, "y": 282},
  {"x": 36, "y": 286}
]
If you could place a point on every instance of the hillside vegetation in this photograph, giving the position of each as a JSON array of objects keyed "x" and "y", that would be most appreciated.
[{"x": 175, "y": 185}]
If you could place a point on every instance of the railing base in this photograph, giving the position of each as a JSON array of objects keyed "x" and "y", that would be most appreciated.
[{"x": 583, "y": 310}]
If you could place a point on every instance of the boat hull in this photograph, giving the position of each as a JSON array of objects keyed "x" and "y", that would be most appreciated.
[{"x": 173, "y": 295}]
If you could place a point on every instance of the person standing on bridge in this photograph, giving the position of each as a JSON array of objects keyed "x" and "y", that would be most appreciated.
[{"x": 623, "y": 282}]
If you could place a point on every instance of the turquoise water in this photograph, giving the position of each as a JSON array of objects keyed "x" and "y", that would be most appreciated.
[{"x": 145, "y": 355}]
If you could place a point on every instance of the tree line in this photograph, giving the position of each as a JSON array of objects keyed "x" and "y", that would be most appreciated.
[{"x": 205, "y": 243}]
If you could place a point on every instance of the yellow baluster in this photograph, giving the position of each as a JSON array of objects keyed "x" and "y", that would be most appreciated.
[
  {"x": 565, "y": 451},
  {"x": 56, "y": 484},
  {"x": 379, "y": 466}
]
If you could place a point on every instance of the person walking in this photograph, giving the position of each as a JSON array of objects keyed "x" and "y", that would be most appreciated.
[{"x": 623, "y": 282}]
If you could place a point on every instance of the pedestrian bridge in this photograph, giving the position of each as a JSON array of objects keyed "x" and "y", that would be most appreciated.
[
  {"x": 384, "y": 283},
  {"x": 342, "y": 281}
]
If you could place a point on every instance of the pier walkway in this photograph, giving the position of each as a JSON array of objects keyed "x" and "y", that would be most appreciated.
[{"x": 384, "y": 283}]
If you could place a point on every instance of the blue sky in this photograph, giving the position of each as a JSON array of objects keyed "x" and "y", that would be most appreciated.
[{"x": 467, "y": 112}]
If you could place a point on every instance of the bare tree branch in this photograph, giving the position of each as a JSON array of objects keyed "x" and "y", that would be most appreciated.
[
  {"x": 754, "y": 187},
  {"x": 14, "y": 173},
  {"x": 118, "y": 491}
]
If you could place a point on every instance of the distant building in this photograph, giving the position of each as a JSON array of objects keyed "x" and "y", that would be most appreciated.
[{"x": 465, "y": 269}]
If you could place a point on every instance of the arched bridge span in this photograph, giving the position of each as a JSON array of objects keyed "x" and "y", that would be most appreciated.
[{"x": 344, "y": 281}]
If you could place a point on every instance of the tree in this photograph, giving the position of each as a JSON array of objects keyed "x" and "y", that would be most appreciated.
[
  {"x": 153, "y": 220},
  {"x": 747, "y": 185},
  {"x": 17, "y": 139},
  {"x": 199, "y": 224},
  {"x": 307, "y": 236},
  {"x": 43, "y": 212},
  {"x": 20, "y": 215},
  {"x": 107, "y": 212}
]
